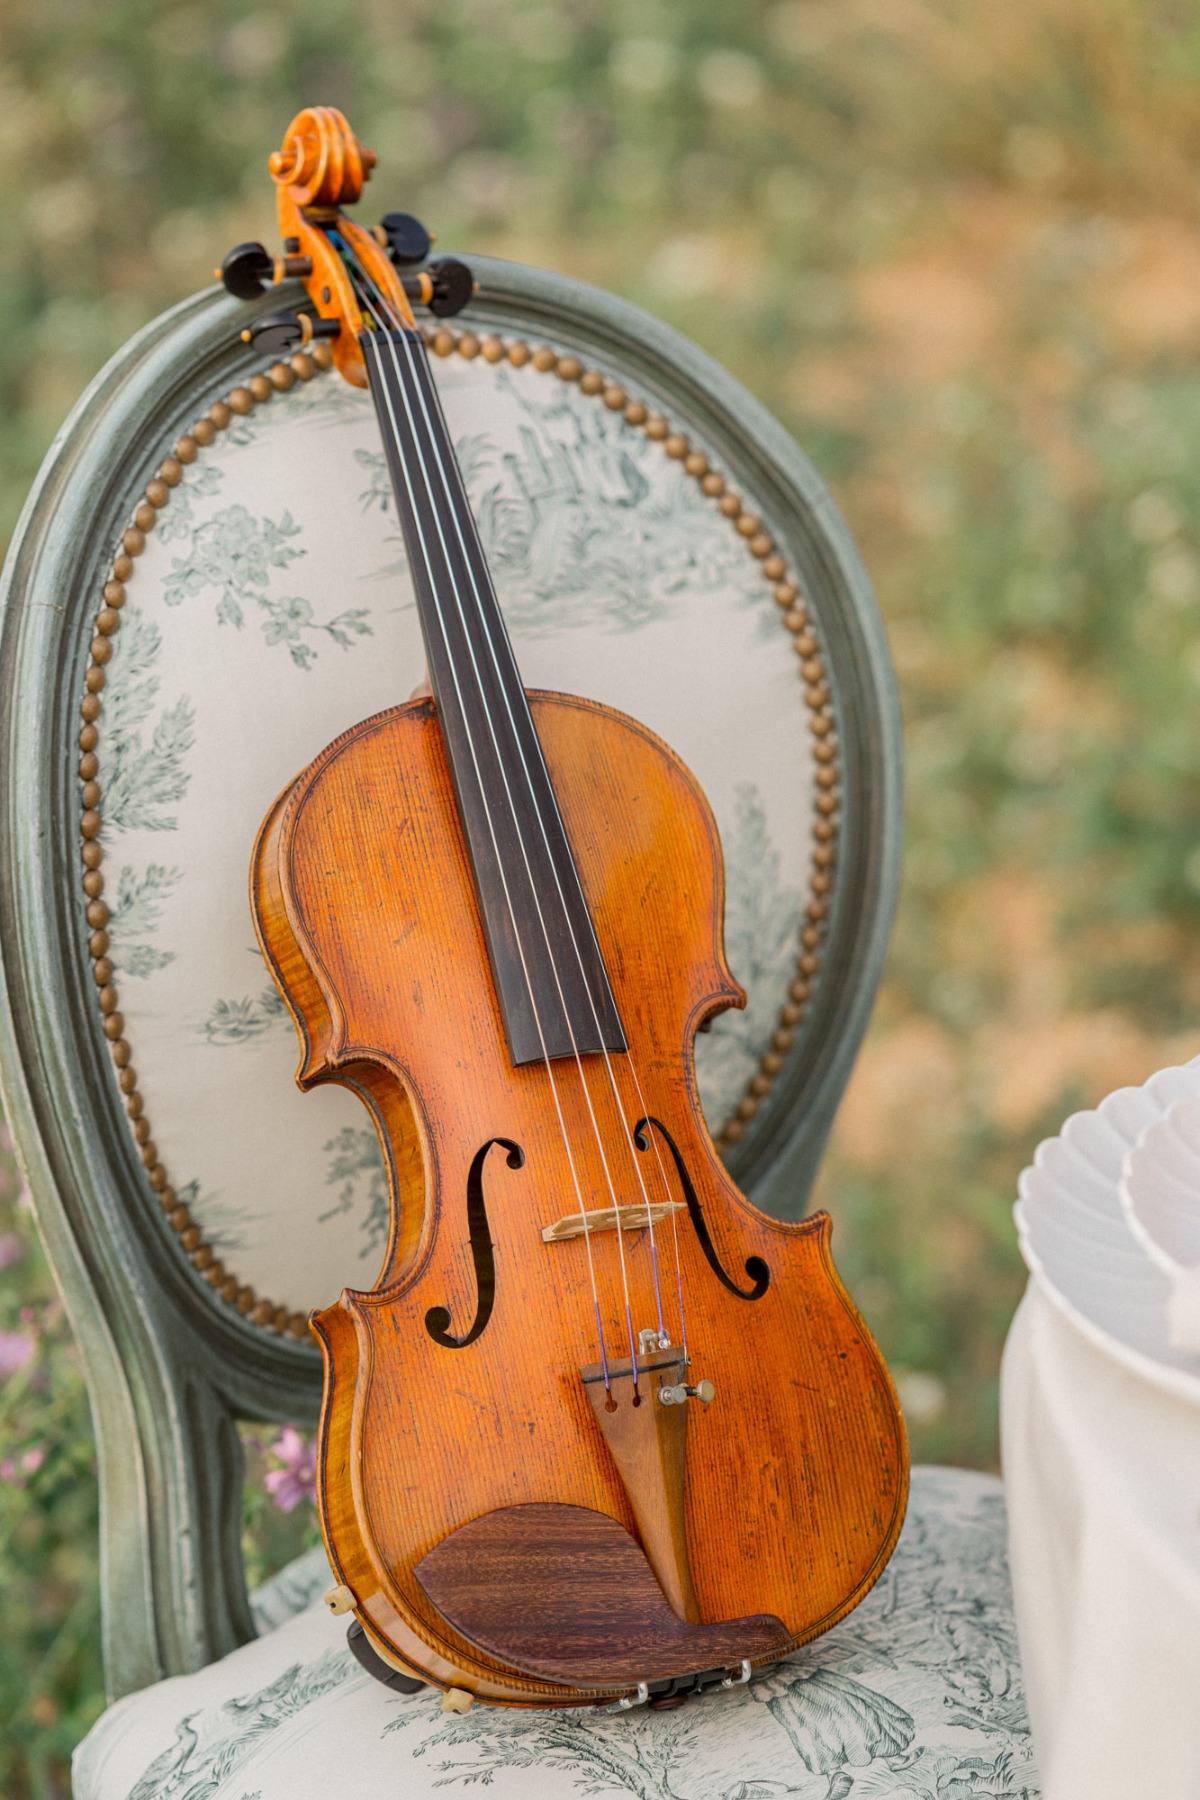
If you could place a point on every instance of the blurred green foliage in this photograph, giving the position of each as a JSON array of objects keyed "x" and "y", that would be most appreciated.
[
  {"x": 50, "y": 1687},
  {"x": 957, "y": 249}
]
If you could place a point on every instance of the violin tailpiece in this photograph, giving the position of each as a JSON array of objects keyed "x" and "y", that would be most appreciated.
[
  {"x": 648, "y": 1442},
  {"x": 564, "y": 1593}
]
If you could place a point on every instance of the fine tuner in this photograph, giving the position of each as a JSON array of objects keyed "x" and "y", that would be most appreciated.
[
  {"x": 682, "y": 1391},
  {"x": 673, "y": 1393}
]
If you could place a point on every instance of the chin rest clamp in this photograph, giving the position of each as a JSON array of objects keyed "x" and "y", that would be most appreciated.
[
  {"x": 368, "y": 1658},
  {"x": 665, "y": 1696}
]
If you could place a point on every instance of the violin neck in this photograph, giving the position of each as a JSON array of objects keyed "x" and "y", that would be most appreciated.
[{"x": 554, "y": 992}]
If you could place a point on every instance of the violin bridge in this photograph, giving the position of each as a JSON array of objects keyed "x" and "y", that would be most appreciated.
[{"x": 605, "y": 1218}]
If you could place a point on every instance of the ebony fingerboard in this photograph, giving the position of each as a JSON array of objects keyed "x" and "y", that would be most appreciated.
[{"x": 554, "y": 992}]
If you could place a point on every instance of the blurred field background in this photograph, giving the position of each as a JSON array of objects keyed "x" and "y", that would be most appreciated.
[{"x": 957, "y": 249}]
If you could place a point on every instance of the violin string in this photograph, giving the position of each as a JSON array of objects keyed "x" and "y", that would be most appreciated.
[
  {"x": 524, "y": 852},
  {"x": 425, "y": 551},
  {"x": 495, "y": 738},
  {"x": 516, "y": 822},
  {"x": 631, "y": 1063},
  {"x": 525, "y": 858},
  {"x": 508, "y": 897},
  {"x": 428, "y": 393},
  {"x": 657, "y": 1148},
  {"x": 420, "y": 386}
]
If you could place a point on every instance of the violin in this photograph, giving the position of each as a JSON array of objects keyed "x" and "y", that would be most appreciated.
[{"x": 603, "y": 1430}]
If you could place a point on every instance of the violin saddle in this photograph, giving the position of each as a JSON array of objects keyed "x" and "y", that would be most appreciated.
[{"x": 566, "y": 1593}]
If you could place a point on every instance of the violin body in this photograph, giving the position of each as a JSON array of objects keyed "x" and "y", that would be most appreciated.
[{"x": 457, "y": 1389}]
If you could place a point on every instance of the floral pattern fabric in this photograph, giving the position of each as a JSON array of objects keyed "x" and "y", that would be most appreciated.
[
  {"x": 916, "y": 1696},
  {"x": 271, "y": 610}
]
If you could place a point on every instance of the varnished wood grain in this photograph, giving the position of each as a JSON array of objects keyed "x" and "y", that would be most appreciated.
[{"x": 796, "y": 1474}]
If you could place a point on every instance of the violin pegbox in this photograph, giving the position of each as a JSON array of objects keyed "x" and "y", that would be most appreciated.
[{"x": 322, "y": 168}]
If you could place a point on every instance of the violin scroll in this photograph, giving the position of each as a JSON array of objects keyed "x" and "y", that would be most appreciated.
[{"x": 322, "y": 163}]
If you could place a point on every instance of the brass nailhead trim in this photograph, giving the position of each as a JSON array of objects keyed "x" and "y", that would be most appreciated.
[{"x": 241, "y": 400}]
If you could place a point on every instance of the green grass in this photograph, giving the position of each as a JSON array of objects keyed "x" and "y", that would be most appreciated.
[
  {"x": 956, "y": 248},
  {"x": 50, "y": 1677}
]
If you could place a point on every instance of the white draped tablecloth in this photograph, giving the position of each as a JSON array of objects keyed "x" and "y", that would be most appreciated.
[{"x": 1102, "y": 1475}]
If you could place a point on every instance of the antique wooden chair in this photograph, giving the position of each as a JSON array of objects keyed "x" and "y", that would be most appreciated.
[{"x": 207, "y": 585}]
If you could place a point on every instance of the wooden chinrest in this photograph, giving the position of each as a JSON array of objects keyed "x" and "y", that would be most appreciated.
[{"x": 566, "y": 1593}]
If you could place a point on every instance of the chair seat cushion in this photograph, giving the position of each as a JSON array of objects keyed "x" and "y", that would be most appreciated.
[{"x": 917, "y": 1693}]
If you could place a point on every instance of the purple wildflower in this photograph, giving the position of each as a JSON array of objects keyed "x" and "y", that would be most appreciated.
[
  {"x": 13, "y": 1468},
  {"x": 297, "y": 1479},
  {"x": 12, "y": 1249},
  {"x": 15, "y": 1351}
]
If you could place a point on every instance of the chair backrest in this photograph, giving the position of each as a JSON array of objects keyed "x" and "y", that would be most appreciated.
[{"x": 207, "y": 586}]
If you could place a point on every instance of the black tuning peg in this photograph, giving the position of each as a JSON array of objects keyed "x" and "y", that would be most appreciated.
[
  {"x": 247, "y": 271},
  {"x": 407, "y": 239},
  {"x": 284, "y": 330},
  {"x": 453, "y": 286}
]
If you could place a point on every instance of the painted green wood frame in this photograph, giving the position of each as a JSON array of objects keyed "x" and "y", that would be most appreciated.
[{"x": 170, "y": 1368}]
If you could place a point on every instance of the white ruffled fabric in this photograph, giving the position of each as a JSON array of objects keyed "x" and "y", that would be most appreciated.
[
  {"x": 1183, "y": 1309},
  {"x": 1102, "y": 1479}
]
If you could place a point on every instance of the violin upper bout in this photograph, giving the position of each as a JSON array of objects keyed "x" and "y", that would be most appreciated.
[{"x": 649, "y": 855}]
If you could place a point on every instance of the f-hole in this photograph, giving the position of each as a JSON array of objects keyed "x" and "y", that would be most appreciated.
[
  {"x": 437, "y": 1319},
  {"x": 756, "y": 1268}
]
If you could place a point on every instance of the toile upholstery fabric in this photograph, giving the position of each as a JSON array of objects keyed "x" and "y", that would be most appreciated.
[
  {"x": 270, "y": 610},
  {"x": 916, "y": 1696}
]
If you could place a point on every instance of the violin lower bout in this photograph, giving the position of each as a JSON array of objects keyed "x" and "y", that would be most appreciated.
[{"x": 791, "y": 1491}]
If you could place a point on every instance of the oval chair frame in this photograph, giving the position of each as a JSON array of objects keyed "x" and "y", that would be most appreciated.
[{"x": 171, "y": 1369}]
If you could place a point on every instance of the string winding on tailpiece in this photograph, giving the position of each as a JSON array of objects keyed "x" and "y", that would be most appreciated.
[{"x": 568, "y": 1454}]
